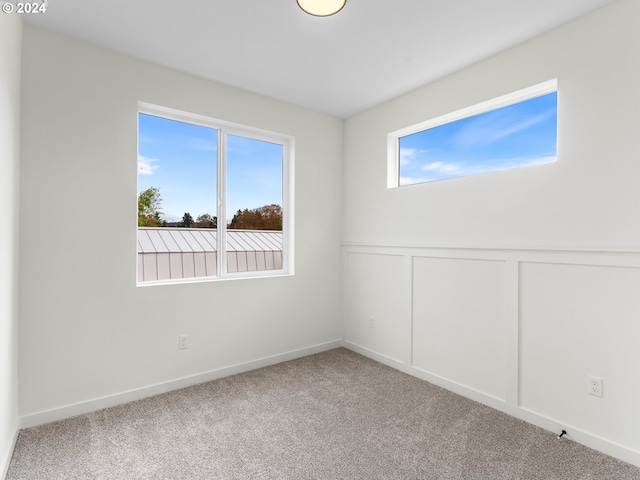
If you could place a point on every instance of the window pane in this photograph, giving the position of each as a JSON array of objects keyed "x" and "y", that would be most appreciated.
[
  {"x": 519, "y": 135},
  {"x": 177, "y": 179},
  {"x": 254, "y": 204}
]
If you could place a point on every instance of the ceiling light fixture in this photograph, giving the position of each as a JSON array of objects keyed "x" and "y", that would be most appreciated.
[{"x": 321, "y": 8}]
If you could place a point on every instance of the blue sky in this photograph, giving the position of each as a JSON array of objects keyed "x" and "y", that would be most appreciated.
[
  {"x": 519, "y": 135},
  {"x": 180, "y": 159}
]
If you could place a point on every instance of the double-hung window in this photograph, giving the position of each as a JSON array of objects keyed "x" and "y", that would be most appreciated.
[{"x": 214, "y": 198}]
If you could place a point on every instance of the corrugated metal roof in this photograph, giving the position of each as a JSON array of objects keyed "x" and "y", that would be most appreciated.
[{"x": 170, "y": 240}]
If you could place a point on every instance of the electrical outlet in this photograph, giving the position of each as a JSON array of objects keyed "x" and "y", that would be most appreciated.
[
  {"x": 594, "y": 386},
  {"x": 372, "y": 322},
  {"x": 183, "y": 342}
]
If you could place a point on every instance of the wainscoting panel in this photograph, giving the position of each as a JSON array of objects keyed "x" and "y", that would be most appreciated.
[
  {"x": 458, "y": 321},
  {"x": 579, "y": 320},
  {"x": 516, "y": 329},
  {"x": 377, "y": 318}
]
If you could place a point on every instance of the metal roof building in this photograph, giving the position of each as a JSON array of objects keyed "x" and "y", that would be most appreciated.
[{"x": 172, "y": 253}]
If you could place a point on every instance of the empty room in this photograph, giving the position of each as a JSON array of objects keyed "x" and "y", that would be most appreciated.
[{"x": 374, "y": 239}]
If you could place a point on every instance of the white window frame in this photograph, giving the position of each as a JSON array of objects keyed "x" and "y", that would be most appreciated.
[
  {"x": 393, "y": 138},
  {"x": 225, "y": 128}
]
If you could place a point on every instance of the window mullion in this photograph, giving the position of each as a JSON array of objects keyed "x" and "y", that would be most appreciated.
[{"x": 222, "y": 209}]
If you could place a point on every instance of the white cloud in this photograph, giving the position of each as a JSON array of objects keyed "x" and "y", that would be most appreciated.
[
  {"x": 496, "y": 125},
  {"x": 523, "y": 125},
  {"x": 440, "y": 167},
  {"x": 412, "y": 180},
  {"x": 407, "y": 155},
  {"x": 145, "y": 165},
  {"x": 512, "y": 163},
  {"x": 538, "y": 161},
  {"x": 442, "y": 170},
  {"x": 502, "y": 164}
]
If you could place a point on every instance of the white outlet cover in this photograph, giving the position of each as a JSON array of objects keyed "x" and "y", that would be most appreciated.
[{"x": 594, "y": 385}]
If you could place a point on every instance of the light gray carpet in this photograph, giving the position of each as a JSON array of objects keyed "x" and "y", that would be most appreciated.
[{"x": 335, "y": 415}]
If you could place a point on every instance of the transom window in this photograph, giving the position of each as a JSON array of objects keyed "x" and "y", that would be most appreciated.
[
  {"x": 213, "y": 198},
  {"x": 512, "y": 131}
]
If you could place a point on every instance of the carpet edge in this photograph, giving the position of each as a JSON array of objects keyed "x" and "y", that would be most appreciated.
[
  {"x": 92, "y": 405},
  {"x": 7, "y": 453}
]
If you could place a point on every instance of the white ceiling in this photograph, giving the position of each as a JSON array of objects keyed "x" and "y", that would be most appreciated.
[{"x": 372, "y": 51}]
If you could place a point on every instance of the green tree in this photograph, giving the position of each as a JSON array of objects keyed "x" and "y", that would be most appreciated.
[
  {"x": 187, "y": 220},
  {"x": 149, "y": 208},
  {"x": 267, "y": 217},
  {"x": 206, "y": 221}
]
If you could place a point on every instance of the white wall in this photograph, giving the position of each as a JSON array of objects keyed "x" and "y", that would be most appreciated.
[
  {"x": 89, "y": 336},
  {"x": 10, "y": 41},
  {"x": 512, "y": 287},
  {"x": 509, "y": 288}
]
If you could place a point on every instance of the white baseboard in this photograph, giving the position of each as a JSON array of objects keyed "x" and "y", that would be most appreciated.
[
  {"x": 578, "y": 435},
  {"x": 67, "y": 411},
  {"x": 7, "y": 453},
  {"x": 574, "y": 433}
]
